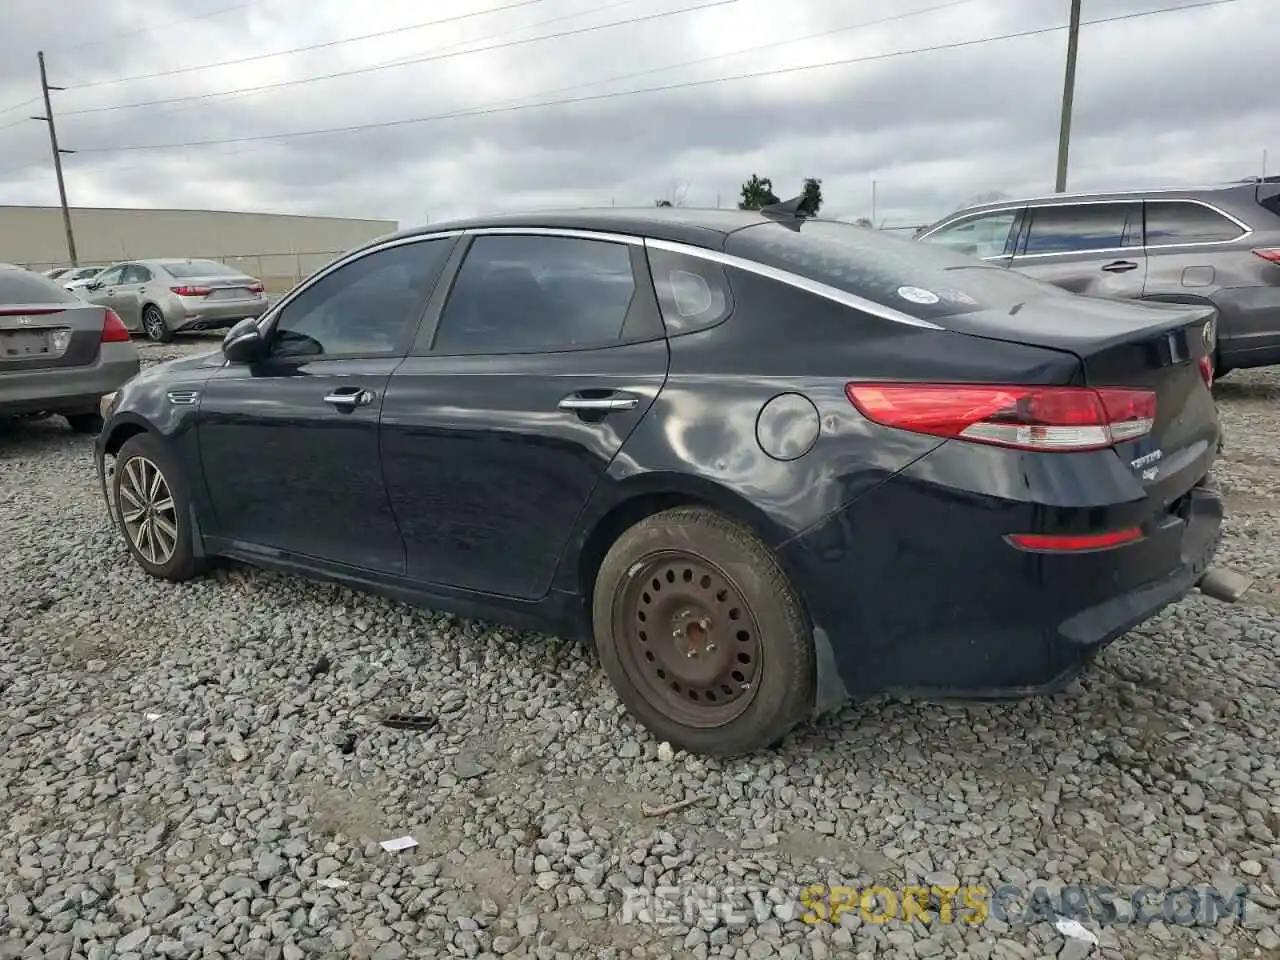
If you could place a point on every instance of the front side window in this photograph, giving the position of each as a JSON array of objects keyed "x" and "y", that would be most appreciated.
[
  {"x": 1081, "y": 228},
  {"x": 1176, "y": 221},
  {"x": 364, "y": 307},
  {"x": 980, "y": 236},
  {"x": 525, "y": 294}
]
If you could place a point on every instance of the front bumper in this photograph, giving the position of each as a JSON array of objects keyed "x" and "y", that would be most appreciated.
[{"x": 917, "y": 593}]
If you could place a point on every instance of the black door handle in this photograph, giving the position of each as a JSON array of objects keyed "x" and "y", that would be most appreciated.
[{"x": 1120, "y": 266}]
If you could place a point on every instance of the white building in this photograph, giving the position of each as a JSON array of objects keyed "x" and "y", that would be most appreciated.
[{"x": 279, "y": 249}]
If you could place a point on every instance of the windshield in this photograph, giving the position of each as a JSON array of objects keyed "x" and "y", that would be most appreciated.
[
  {"x": 922, "y": 280},
  {"x": 185, "y": 269}
]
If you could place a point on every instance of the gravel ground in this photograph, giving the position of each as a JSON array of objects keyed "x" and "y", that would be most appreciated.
[{"x": 198, "y": 770}]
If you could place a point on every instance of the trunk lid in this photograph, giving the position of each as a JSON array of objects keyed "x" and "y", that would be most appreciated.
[
  {"x": 1152, "y": 346},
  {"x": 40, "y": 336}
]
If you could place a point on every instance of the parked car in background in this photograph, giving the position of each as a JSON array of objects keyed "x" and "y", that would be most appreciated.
[
  {"x": 763, "y": 461},
  {"x": 56, "y": 272},
  {"x": 58, "y": 354},
  {"x": 1214, "y": 246},
  {"x": 79, "y": 277},
  {"x": 164, "y": 297}
]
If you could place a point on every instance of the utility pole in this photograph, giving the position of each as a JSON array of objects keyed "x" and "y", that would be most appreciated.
[
  {"x": 1068, "y": 97},
  {"x": 873, "y": 203},
  {"x": 57, "y": 158}
]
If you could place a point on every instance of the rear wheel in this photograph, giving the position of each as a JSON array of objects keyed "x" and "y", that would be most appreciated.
[
  {"x": 153, "y": 507},
  {"x": 84, "y": 422},
  {"x": 701, "y": 635},
  {"x": 153, "y": 323}
]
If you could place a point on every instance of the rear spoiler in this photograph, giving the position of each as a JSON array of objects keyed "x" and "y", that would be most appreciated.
[{"x": 1266, "y": 192}]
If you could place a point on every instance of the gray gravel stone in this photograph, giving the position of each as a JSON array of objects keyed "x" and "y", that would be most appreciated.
[{"x": 177, "y": 779}]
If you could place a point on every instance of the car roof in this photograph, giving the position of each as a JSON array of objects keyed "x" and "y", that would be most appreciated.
[
  {"x": 1051, "y": 199},
  {"x": 689, "y": 225}
]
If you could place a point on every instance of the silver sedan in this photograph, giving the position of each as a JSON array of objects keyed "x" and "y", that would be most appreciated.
[{"x": 164, "y": 297}]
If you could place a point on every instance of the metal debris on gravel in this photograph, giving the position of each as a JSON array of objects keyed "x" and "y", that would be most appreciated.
[{"x": 177, "y": 781}]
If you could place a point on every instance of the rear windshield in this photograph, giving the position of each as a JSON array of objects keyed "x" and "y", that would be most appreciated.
[
  {"x": 923, "y": 280},
  {"x": 23, "y": 287},
  {"x": 200, "y": 268}
]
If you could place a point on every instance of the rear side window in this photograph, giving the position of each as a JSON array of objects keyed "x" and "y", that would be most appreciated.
[
  {"x": 1172, "y": 221},
  {"x": 528, "y": 294},
  {"x": 923, "y": 280},
  {"x": 1084, "y": 227},
  {"x": 692, "y": 294},
  {"x": 22, "y": 287}
]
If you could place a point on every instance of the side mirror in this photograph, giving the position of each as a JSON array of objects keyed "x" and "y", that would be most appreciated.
[
  {"x": 243, "y": 342},
  {"x": 93, "y": 285}
]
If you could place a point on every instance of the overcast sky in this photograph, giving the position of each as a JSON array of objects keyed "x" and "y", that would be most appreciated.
[{"x": 1183, "y": 96}]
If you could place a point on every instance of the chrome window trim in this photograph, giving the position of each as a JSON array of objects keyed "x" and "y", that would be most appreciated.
[
  {"x": 599, "y": 235},
  {"x": 1043, "y": 204},
  {"x": 268, "y": 318},
  {"x": 794, "y": 280}
]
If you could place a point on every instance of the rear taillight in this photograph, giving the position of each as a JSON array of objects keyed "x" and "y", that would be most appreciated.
[
  {"x": 1206, "y": 370},
  {"x": 113, "y": 328},
  {"x": 1074, "y": 543},
  {"x": 1271, "y": 254},
  {"x": 1024, "y": 418},
  {"x": 185, "y": 291},
  {"x": 256, "y": 288}
]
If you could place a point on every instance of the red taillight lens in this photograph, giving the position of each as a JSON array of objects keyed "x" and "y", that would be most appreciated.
[
  {"x": 1206, "y": 370},
  {"x": 1074, "y": 543},
  {"x": 1271, "y": 254},
  {"x": 1024, "y": 418},
  {"x": 256, "y": 288},
  {"x": 113, "y": 328},
  {"x": 185, "y": 291}
]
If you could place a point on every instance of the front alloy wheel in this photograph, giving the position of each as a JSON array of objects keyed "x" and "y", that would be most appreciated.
[
  {"x": 152, "y": 506},
  {"x": 148, "y": 512}
]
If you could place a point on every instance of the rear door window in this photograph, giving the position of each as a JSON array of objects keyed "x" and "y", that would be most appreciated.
[
  {"x": 922, "y": 280},
  {"x": 530, "y": 294},
  {"x": 1171, "y": 222},
  {"x": 1082, "y": 228}
]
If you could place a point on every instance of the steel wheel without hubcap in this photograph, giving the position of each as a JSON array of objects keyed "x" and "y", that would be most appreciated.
[
  {"x": 688, "y": 639},
  {"x": 147, "y": 510},
  {"x": 153, "y": 321}
]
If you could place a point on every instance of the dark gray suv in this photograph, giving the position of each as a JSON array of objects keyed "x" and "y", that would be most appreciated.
[{"x": 1216, "y": 245}]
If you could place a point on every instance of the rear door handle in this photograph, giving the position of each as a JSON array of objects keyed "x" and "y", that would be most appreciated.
[
  {"x": 617, "y": 401},
  {"x": 1120, "y": 266},
  {"x": 348, "y": 398}
]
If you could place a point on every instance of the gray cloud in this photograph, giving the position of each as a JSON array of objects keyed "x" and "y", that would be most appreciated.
[{"x": 1176, "y": 97}]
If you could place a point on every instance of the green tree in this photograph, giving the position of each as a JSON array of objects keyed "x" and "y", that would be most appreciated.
[
  {"x": 812, "y": 194},
  {"x": 756, "y": 193},
  {"x": 663, "y": 203}
]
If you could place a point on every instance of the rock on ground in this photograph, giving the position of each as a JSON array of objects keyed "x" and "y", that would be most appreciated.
[{"x": 178, "y": 779}]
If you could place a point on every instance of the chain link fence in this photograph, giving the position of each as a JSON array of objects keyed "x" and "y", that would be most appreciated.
[{"x": 279, "y": 272}]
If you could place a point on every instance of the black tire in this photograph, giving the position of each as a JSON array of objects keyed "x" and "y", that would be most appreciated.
[
  {"x": 84, "y": 422},
  {"x": 153, "y": 325},
  {"x": 181, "y": 563},
  {"x": 709, "y": 564}
]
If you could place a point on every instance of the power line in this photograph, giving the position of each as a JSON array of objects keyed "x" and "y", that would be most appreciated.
[
  {"x": 18, "y": 106},
  {"x": 682, "y": 85},
  {"x": 314, "y": 46},
  {"x": 601, "y": 8},
  {"x": 703, "y": 60},
  {"x": 403, "y": 63},
  {"x": 160, "y": 26}
]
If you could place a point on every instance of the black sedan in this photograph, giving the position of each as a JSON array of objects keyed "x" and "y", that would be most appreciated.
[{"x": 765, "y": 463}]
